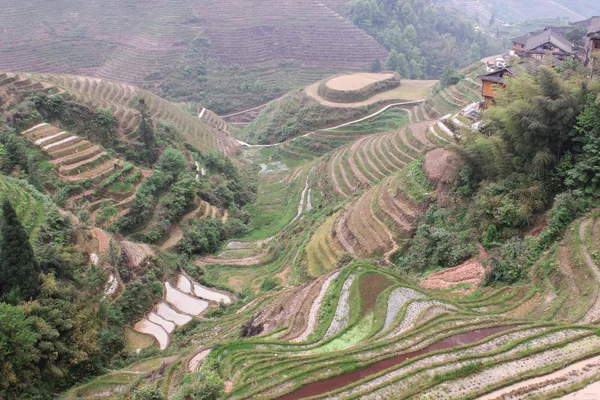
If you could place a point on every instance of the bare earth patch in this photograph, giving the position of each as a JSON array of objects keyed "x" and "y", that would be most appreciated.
[
  {"x": 356, "y": 81},
  {"x": 409, "y": 90},
  {"x": 471, "y": 271},
  {"x": 439, "y": 166},
  {"x": 136, "y": 252}
]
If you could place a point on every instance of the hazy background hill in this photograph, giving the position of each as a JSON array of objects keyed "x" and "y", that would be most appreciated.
[{"x": 188, "y": 50}]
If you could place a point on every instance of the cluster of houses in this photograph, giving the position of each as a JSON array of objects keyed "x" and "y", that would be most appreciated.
[{"x": 550, "y": 41}]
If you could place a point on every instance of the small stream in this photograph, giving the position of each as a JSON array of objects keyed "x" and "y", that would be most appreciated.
[{"x": 337, "y": 382}]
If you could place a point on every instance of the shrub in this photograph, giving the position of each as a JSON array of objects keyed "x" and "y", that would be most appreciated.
[{"x": 148, "y": 393}]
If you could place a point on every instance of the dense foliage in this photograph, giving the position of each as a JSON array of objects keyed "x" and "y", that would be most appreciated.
[
  {"x": 423, "y": 38},
  {"x": 539, "y": 150},
  {"x": 19, "y": 270}
]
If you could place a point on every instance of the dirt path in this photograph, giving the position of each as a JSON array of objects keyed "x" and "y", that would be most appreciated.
[
  {"x": 175, "y": 237},
  {"x": 103, "y": 241},
  {"x": 196, "y": 362}
]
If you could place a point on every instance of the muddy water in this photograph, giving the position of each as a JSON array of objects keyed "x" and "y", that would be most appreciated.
[{"x": 317, "y": 388}]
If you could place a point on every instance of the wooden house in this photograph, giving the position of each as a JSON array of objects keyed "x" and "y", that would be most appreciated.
[
  {"x": 539, "y": 44},
  {"x": 592, "y": 41},
  {"x": 492, "y": 82}
]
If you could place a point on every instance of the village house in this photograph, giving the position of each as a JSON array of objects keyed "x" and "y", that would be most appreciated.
[
  {"x": 536, "y": 45},
  {"x": 492, "y": 82},
  {"x": 592, "y": 41}
]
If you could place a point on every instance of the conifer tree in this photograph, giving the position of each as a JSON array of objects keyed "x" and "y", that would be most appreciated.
[{"x": 19, "y": 270}]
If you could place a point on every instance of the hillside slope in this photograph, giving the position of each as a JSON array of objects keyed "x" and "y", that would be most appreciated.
[
  {"x": 186, "y": 49},
  {"x": 202, "y": 133}
]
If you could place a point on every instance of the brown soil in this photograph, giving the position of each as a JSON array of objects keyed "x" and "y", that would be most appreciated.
[
  {"x": 356, "y": 81},
  {"x": 286, "y": 306},
  {"x": 471, "y": 271},
  {"x": 136, "y": 252},
  {"x": 234, "y": 262},
  {"x": 102, "y": 240},
  {"x": 370, "y": 287},
  {"x": 439, "y": 166},
  {"x": 175, "y": 237},
  {"x": 300, "y": 319},
  {"x": 408, "y": 91}
]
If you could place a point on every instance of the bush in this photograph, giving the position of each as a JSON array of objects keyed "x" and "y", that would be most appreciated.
[
  {"x": 200, "y": 386},
  {"x": 148, "y": 393}
]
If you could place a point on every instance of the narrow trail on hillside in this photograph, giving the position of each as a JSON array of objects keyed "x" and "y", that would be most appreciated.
[{"x": 372, "y": 115}]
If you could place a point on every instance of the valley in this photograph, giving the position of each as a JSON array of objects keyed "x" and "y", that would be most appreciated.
[{"x": 251, "y": 200}]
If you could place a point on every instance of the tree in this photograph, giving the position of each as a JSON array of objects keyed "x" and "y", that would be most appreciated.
[
  {"x": 17, "y": 351},
  {"x": 407, "y": 15},
  {"x": 492, "y": 19},
  {"x": 19, "y": 270},
  {"x": 375, "y": 67},
  {"x": 147, "y": 135},
  {"x": 397, "y": 62},
  {"x": 585, "y": 174},
  {"x": 474, "y": 53},
  {"x": 576, "y": 35},
  {"x": 410, "y": 34},
  {"x": 365, "y": 13}
]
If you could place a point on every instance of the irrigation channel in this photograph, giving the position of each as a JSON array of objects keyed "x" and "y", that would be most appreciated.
[{"x": 338, "y": 382}]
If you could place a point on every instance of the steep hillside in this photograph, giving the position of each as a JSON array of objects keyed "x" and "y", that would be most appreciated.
[
  {"x": 123, "y": 101},
  {"x": 187, "y": 50}
]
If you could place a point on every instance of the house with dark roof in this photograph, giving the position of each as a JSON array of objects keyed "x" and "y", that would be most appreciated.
[
  {"x": 492, "y": 83},
  {"x": 538, "y": 44},
  {"x": 592, "y": 41}
]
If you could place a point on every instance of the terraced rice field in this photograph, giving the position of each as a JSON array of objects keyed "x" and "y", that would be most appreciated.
[
  {"x": 78, "y": 160},
  {"x": 205, "y": 134},
  {"x": 181, "y": 303},
  {"x": 277, "y": 43},
  {"x": 379, "y": 336}
]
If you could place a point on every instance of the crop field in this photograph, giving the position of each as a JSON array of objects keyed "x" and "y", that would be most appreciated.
[
  {"x": 409, "y": 90},
  {"x": 30, "y": 205},
  {"x": 274, "y": 45},
  {"x": 310, "y": 303},
  {"x": 205, "y": 134}
]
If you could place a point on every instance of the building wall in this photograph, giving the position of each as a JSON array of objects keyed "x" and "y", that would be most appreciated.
[{"x": 488, "y": 89}]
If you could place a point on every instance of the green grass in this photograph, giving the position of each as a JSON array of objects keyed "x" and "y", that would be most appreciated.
[{"x": 388, "y": 120}]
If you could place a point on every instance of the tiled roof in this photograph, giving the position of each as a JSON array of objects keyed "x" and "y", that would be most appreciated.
[
  {"x": 497, "y": 76},
  {"x": 549, "y": 36},
  {"x": 594, "y": 27}
]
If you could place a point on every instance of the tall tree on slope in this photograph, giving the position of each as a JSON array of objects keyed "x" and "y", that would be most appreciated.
[{"x": 19, "y": 270}]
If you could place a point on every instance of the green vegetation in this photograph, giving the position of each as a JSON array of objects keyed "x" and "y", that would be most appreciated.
[
  {"x": 423, "y": 38},
  {"x": 19, "y": 270}
]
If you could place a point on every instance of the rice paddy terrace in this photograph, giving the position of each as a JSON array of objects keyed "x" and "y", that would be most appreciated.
[
  {"x": 327, "y": 318},
  {"x": 514, "y": 11},
  {"x": 278, "y": 44},
  {"x": 206, "y": 134}
]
